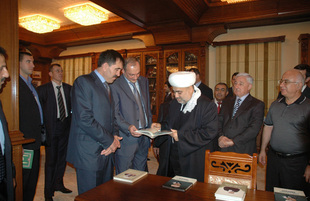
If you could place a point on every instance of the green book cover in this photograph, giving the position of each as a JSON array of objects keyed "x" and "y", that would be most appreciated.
[{"x": 27, "y": 158}]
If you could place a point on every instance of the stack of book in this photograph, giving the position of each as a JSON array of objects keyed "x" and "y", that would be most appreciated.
[
  {"x": 179, "y": 183},
  {"x": 283, "y": 194},
  {"x": 232, "y": 192},
  {"x": 130, "y": 176}
]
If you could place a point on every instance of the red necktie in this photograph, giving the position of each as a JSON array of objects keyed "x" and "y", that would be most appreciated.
[{"x": 219, "y": 106}]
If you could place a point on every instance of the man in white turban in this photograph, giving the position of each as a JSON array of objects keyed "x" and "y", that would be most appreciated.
[{"x": 193, "y": 121}]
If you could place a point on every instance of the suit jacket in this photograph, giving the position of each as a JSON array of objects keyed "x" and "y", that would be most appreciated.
[
  {"x": 49, "y": 106},
  {"x": 126, "y": 108},
  {"x": 245, "y": 125},
  {"x": 206, "y": 91},
  {"x": 29, "y": 116},
  {"x": 10, "y": 168},
  {"x": 93, "y": 124}
]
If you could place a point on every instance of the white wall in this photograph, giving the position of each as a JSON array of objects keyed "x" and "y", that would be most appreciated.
[
  {"x": 290, "y": 48},
  {"x": 126, "y": 44}
]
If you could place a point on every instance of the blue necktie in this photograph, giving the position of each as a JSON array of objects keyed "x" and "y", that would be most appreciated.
[{"x": 136, "y": 94}]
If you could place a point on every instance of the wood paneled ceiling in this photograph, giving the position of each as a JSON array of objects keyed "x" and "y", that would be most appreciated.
[{"x": 161, "y": 22}]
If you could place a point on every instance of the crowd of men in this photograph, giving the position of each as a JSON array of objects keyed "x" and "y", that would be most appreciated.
[{"x": 93, "y": 125}]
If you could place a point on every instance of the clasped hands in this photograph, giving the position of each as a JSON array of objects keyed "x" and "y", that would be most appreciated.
[
  {"x": 225, "y": 142},
  {"x": 112, "y": 148}
]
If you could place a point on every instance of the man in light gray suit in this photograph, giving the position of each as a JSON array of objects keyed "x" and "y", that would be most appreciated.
[
  {"x": 133, "y": 112},
  {"x": 94, "y": 133}
]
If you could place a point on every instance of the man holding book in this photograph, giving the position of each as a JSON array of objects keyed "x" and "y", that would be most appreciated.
[{"x": 192, "y": 119}]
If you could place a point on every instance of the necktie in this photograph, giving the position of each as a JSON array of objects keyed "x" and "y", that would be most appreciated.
[
  {"x": 219, "y": 106},
  {"x": 136, "y": 94},
  {"x": 2, "y": 165},
  {"x": 236, "y": 107},
  {"x": 61, "y": 106},
  {"x": 106, "y": 85}
]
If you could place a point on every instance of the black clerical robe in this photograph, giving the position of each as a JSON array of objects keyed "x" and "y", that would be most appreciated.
[{"x": 196, "y": 132}]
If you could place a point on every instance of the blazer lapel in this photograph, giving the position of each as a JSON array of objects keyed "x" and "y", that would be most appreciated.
[
  {"x": 244, "y": 105},
  {"x": 100, "y": 84},
  {"x": 126, "y": 88}
]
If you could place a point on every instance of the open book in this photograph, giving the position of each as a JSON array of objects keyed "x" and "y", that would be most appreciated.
[
  {"x": 180, "y": 183},
  {"x": 153, "y": 132}
]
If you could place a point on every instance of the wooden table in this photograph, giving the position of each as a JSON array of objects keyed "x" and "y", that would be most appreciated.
[{"x": 149, "y": 188}]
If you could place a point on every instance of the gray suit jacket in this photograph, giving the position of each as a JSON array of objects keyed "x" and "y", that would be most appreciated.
[
  {"x": 245, "y": 125},
  {"x": 93, "y": 124},
  {"x": 126, "y": 108}
]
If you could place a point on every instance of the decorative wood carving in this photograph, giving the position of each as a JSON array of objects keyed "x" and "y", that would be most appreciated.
[{"x": 304, "y": 48}]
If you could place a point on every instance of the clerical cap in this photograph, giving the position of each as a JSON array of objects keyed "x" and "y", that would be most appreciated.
[{"x": 182, "y": 79}]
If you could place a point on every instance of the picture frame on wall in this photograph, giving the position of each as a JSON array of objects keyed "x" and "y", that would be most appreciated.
[{"x": 36, "y": 74}]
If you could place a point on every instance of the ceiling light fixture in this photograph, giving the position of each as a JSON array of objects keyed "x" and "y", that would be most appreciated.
[
  {"x": 86, "y": 14},
  {"x": 234, "y": 1},
  {"x": 38, "y": 23}
]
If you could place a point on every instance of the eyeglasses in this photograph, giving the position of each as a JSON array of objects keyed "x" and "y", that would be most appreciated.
[{"x": 286, "y": 82}]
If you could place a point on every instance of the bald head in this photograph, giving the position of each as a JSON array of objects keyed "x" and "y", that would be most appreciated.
[{"x": 291, "y": 84}]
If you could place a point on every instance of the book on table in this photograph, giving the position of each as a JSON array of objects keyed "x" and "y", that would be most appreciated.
[
  {"x": 180, "y": 183},
  {"x": 153, "y": 133},
  {"x": 283, "y": 194},
  {"x": 231, "y": 192},
  {"x": 130, "y": 176}
]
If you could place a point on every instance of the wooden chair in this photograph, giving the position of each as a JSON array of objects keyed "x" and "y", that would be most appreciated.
[{"x": 230, "y": 167}]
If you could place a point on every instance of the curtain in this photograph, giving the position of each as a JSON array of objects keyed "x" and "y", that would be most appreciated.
[
  {"x": 261, "y": 60},
  {"x": 74, "y": 67}
]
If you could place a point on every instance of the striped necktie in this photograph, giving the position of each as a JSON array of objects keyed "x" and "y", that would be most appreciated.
[
  {"x": 2, "y": 165},
  {"x": 136, "y": 94},
  {"x": 236, "y": 107},
  {"x": 61, "y": 106}
]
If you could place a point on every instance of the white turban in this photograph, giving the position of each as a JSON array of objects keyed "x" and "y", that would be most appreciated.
[{"x": 182, "y": 79}]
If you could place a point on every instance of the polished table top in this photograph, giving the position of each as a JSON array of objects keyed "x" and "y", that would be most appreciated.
[{"x": 150, "y": 188}]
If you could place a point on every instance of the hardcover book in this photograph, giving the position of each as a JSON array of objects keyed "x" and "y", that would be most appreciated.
[
  {"x": 27, "y": 158},
  {"x": 231, "y": 192},
  {"x": 180, "y": 183},
  {"x": 130, "y": 176},
  {"x": 153, "y": 133},
  {"x": 283, "y": 194}
]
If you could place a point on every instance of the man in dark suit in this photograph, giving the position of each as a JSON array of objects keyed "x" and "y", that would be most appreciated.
[
  {"x": 30, "y": 122},
  {"x": 205, "y": 90},
  {"x": 168, "y": 94},
  {"x": 7, "y": 169},
  {"x": 230, "y": 89},
  {"x": 94, "y": 133},
  {"x": 56, "y": 104},
  {"x": 240, "y": 118},
  {"x": 304, "y": 69},
  {"x": 133, "y": 112}
]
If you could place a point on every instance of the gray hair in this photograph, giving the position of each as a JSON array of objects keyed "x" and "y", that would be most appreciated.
[{"x": 248, "y": 77}]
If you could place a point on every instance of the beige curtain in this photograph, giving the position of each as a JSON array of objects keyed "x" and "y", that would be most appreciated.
[
  {"x": 261, "y": 60},
  {"x": 74, "y": 67}
]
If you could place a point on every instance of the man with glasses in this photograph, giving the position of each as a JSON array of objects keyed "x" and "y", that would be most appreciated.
[
  {"x": 240, "y": 118},
  {"x": 287, "y": 130}
]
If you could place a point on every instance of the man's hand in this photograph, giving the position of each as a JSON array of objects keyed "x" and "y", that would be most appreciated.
[
  {"x": 174, "y": 134},
  {"x": 112, "y": 148},
  {"x": 225, "y": 142},
  {"x": 307, "y": 174},
  {"x": 156, "y": 126},
  {"x": 262, "y": 157},
  {"x": 132, "y": 129}
]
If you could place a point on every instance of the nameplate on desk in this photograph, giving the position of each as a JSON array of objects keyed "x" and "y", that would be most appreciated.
[{"x": 27, "y": 158}]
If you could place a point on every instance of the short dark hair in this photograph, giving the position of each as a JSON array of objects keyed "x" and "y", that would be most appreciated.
[
  {"x": 195, "y": 70},
  {"x": 235, "y": 73},
  {"x": 52, "y": 66},
  {"x": 222, "y": 83},
  {"x": 22, "y": 54},
  {"x": 3, "y": 52},
  {"x": 303, "y": 67},
  {"x": 130, "y": 60},
  {"x": 110, "y": 57},
  {"x": 168, "y": 84}
]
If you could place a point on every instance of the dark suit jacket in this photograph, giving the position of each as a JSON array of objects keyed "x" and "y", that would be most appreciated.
[
  {"x": 206, "y": 91},
  {"x": 29, "y": 116},
  {"x": 10, "y": 169},
  {"x": 126, "y": 110},
  {"x": 49, "y": 106},
  {"x": 245, "y": 125},
  {"x": 93, "y": 124}
]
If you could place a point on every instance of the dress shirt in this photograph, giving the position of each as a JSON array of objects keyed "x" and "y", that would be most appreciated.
[{"x": 2, "y": 137}]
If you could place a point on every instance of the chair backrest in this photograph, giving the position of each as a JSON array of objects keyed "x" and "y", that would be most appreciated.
[{"x": 230, "y": 167}]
